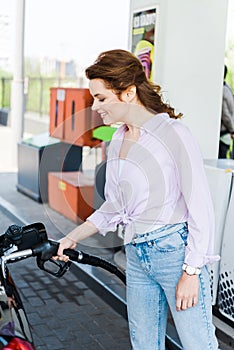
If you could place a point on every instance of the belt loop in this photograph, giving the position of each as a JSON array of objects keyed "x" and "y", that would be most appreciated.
[{"x": 148, "y": 239}]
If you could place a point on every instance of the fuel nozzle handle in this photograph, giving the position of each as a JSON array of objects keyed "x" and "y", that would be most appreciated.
[
  {"x": 46, "y": 250},
  {"x": 44, "y": 253}
]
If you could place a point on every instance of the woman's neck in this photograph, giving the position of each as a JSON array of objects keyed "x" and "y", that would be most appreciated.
[
  {"x": 133, "y": 131},
  {"x": 136, "y": 119}
]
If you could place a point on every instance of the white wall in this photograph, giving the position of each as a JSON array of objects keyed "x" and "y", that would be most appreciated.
[{"x": 189, "y": 59}]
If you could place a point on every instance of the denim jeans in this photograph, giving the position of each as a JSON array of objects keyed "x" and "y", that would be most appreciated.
[{"x": 153, "y": 270}]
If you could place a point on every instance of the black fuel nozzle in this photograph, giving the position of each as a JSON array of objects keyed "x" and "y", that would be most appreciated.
[
  {"x": 44, "y": 253},
  {"x": 46, "y": 250}
]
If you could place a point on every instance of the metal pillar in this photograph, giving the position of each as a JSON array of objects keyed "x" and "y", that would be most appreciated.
[{"x": 17, "y": 88}]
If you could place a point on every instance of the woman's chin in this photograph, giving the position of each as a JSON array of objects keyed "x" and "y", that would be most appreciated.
[{"x": 106, "y": 122}]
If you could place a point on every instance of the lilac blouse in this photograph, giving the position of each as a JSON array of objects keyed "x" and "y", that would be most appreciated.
[{"x": 162, "y": 181}]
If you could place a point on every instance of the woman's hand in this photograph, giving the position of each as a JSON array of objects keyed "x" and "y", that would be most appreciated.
[
  {"x": 81, "y": 232},
  {"x": 64, "y": 243},
  {"x": 187, "y": 291}
]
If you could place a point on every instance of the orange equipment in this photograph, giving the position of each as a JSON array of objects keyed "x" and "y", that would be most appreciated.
[
  {"x": 71, "y": 194},
  {"x": 71, "y": 117}
]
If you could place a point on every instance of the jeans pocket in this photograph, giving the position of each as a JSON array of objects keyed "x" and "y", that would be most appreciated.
[{"x": 170, "y": 243}]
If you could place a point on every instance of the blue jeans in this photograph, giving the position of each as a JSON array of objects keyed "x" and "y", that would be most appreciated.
[{"x": 153, "y": 270}]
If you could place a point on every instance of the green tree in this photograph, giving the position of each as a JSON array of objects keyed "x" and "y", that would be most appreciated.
[
  {"x": 229, "y": 60},
  {"x": 5, "y": 88}
]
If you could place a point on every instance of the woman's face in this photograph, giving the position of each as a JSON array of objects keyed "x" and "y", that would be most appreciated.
[{"x": 107, "y": 104}]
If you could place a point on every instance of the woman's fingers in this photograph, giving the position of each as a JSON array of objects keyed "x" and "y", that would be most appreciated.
[
  {"x": 60, "y": 255},
  {"x": 64, "y": 243},
  {"x": 185, "y": 303}
]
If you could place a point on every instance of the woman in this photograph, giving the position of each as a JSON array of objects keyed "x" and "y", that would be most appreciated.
[{"x": 156, "y": 188}]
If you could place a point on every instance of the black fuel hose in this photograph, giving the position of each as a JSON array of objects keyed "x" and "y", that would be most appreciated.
[{"x": 84, "y": 258}]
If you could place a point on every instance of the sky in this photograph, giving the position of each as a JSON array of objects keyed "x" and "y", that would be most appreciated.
[
  {"x": 79, "y": 29},
  {"x": 73, "y": 29},
  {"x": 230, "y": 22}
]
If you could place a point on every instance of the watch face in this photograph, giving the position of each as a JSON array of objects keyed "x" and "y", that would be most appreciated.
[{"x": 190, "y": 270}]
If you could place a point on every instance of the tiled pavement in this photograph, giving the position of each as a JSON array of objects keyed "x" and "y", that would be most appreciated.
[{"x": 64, "y": 313}]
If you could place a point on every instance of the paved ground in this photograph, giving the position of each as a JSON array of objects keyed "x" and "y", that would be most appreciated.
[{"x": 64, "y": 313}]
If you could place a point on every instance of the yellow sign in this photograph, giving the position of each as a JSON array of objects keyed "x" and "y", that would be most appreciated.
[
  {"x": 143, "y": 39},
  {"x": 62, "y": 186}
]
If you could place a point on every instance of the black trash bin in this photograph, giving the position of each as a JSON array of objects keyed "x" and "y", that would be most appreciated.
[
  {"x": 39, "y": 155},
  {"x": 4, "y": 116}
]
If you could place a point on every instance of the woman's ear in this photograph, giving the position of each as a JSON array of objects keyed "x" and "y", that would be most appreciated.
[{"x": 129, "y": 94}]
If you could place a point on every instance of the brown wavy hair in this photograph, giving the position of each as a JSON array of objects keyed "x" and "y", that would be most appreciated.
[{"x": 120, "y": 69}]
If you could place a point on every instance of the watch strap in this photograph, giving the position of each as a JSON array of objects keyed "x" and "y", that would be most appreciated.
[{"x": 190, "y": 270}]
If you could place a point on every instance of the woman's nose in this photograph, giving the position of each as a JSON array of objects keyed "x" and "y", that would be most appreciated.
[{"x": 94, "y": 106}]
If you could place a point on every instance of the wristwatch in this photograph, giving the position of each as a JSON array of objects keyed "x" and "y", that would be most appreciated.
[{"x": 190, "y": 270}]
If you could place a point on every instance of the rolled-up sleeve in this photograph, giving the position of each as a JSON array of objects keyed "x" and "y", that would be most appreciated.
[{"x": 105, "y": 218}]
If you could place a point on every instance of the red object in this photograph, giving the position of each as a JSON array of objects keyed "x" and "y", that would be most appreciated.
[
  {"x": 57, "y": 112},
  {"x": 71, "y": 117},
  {"x": 18, "y": 344},
  {"x": 71, "y": 194}
]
